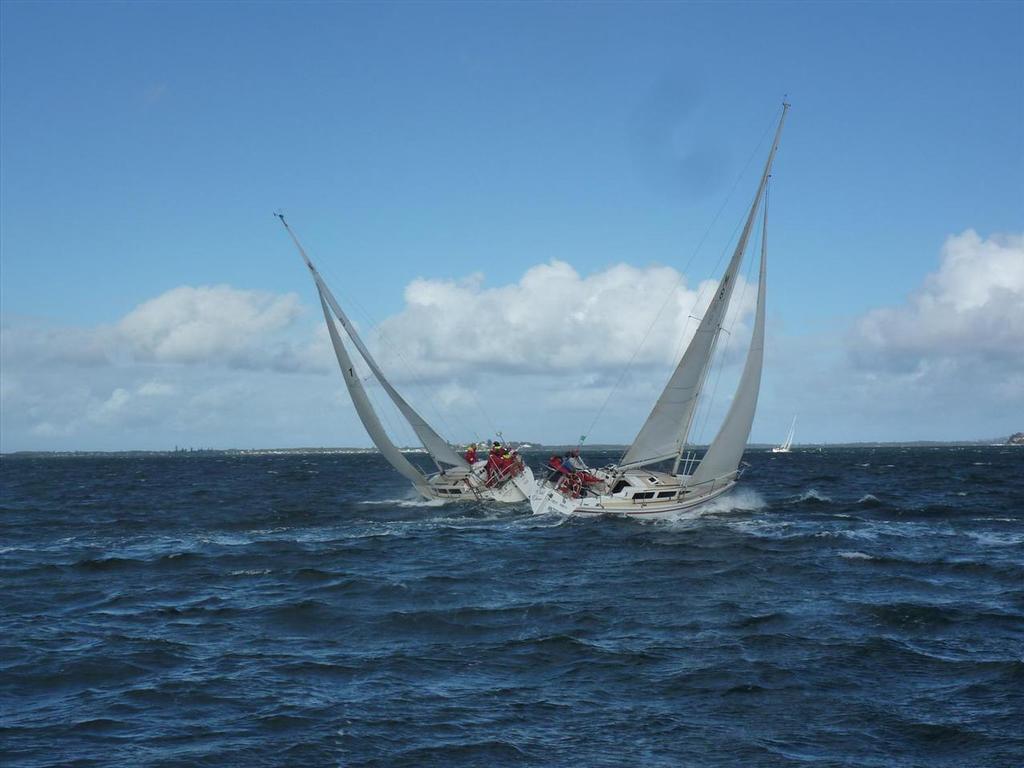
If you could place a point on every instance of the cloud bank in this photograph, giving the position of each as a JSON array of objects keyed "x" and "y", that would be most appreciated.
[
  {"x": 206, "y": 323},
  {"x": 220, "y": 366},
  {"x": 971, "y": 310},
  {"x": 552, "y": 320},
  {"x": 213, "y": 326}
]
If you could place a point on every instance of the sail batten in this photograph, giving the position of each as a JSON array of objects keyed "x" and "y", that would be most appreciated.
[
  {"x": 435, "y": 445},
  {"x": 666, "y": 430}
]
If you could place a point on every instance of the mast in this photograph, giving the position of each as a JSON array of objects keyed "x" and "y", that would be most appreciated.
[
  {"x": 438, "y": 448},
  {"x": 665, "y": 433}
]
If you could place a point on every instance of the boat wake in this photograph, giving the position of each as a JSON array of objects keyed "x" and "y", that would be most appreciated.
[
  {"x": 740, "y": 500},
  {"x": 405, "y": 503}
]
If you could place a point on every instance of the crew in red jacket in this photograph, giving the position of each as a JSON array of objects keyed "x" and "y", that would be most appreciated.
[{"x": 494, "y": 462}]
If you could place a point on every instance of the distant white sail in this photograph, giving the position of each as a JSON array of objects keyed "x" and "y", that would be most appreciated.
[
  {"x": 789, "y": 437},
  {"x": 363, "y": 406},
  {"x": 726, "y": 450},
  {"x": 666, "y": 430},
  {"x": 436, "y": 445}
]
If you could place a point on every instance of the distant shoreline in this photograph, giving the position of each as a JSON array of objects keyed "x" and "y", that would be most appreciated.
[{"x": 534, "y": 448}]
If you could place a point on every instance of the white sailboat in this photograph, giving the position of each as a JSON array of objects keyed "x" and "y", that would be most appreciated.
[
  {"x": 631, "y": 488},
  {"x": 788, "y": 444},
  {"x": 455, "y": 479}
]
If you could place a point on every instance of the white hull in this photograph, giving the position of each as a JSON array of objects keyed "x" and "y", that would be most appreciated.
[
  {"x": 546, "y": 499},
  {"x": 781, "y": 450},
  {"x": 636, "y": 495},
  {"x": 471, "y": 485}
]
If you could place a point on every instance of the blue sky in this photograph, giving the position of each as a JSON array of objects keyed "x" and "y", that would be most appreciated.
[{"x": 145, "y": 145}]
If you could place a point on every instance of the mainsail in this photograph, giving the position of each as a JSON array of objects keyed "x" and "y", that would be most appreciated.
[
  {"x": 726, "y": 450},
  {"x": 666, "y": 430},
  {"x": 436, "y": 446}
]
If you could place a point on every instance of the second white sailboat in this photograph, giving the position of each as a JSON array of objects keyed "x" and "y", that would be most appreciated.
[
  {"x": 788, "y": 444},
  {"x": 455, "y": 479}
]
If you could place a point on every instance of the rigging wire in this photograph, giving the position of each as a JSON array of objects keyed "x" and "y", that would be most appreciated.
[{"x": 672, "y": 290}]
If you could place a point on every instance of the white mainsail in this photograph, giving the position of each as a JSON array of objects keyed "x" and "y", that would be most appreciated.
[
  {"x": 666, "y": 430},
  {"x": 363, "y": 406},
  {"x": 435, "y": 445},
  {"x": 726, "y": 450}
]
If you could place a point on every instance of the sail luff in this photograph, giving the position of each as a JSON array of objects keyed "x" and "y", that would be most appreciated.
[
  {"x": 726, "y": 450},
  {"x": 364, "y": 408},
  {"x": 666, "y": 430},
  {"x": 435, "y": 445}
]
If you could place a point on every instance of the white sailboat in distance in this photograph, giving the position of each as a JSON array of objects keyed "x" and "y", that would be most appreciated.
[
  {"x": 632, "y": 488},
  {"x": 788, "y": 444},
  {"x": 455, "y": 479}
]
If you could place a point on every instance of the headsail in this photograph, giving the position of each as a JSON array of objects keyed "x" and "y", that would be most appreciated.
[
  {"x": 726, "y": 450},
  {"x": 435, "y": 445},
  {"x": 665, "y": 432},
  {"x": 363, "y": 407}
]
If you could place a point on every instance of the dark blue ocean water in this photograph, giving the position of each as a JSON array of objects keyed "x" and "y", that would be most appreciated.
[{"x": 853, "y": 607}]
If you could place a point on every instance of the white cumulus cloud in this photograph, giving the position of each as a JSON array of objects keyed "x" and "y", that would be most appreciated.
[
  {"x": 207, "y": 323},
  {"x": 971, "y": 309},
  {"x": 552, "y": 320}
]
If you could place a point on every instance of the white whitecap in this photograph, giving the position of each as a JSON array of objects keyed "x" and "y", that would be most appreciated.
[{"x": 855, "y": 556}]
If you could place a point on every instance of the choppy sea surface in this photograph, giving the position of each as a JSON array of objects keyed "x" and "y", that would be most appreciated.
[{"x": 851, "y": 607}]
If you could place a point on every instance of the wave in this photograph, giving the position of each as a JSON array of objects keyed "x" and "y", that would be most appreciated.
[
  {"x": 812, "y": 496},
  {"x": 738, "y": 500},
  {"x": 996, "y": 538},
  {"x": 855, "y": 556},
  {"x": 869, "y": 500}
]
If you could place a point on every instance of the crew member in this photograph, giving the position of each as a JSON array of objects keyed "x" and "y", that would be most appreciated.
[
  {"x": 557, "y": 467},
  {"x": 493, "y": 462}
]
